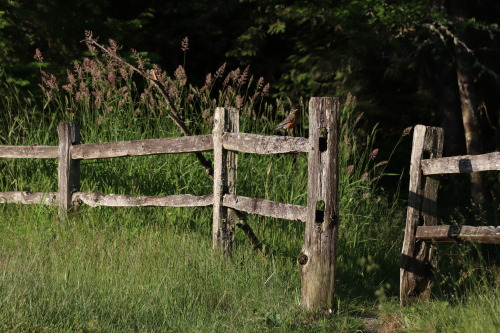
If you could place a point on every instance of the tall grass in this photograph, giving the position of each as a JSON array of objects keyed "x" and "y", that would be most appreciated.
[{"x": 151, "y": 269}]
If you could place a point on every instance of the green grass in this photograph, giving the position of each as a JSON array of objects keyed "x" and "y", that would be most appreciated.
[
  {"x": 153, "y": 269},
  {"x": 140, "y": 270}
]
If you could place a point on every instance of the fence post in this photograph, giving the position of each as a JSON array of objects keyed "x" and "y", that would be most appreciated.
[
  {"x": 225, "y": 165},
  {"x": 417, "y": 263},
  {"x": 69, "y": 170},
  {"x": 317, "y": 260}
]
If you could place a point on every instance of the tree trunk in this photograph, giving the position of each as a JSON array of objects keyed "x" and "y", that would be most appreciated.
[
  {"x": 464, "y": 62},
  {"x": 448, "y": 103}
]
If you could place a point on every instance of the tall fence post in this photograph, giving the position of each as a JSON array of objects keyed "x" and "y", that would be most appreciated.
[
  {"x": 417, "y": 257},
  {"x": 317, "y": 260},
  {"x": 225, "y": 165},
  {"x": 69, "y": 170}
]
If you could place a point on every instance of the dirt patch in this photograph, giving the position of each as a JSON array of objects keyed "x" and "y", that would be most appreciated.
[{"x": 370, "y": 324}]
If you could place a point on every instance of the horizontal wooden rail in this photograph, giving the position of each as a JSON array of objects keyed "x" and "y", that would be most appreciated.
[
  {"x": 29, "y": 198},
  {"x": 452, "y": 233},
  {"x": 121, "y": 200},
  {"x": 29, "y": 151},
  {"x": 186, "y": 144},
  {"x": 461, "y": 164},
  {"x": 266, "y": 207},
  {"x": 263, "y": 144}
]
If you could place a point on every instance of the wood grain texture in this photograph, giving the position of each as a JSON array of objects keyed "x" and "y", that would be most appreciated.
[
  {"x": 225, "y": 120},
  {"x": 263, "y": 144},
  {"x": 417, "y": 259},
  {"x": 461, "y": 164},
  {"x": 317, "y": 260},
  {"x": 28, "y": 198},
  {"x": 68, "y": 169},
  {"x": 453, "y": 233},
  {"x": 29, "y": 151},
  {"x": 186, "y": 144},
  {"x": 266, "y": 207},
  {"x": 121, "y": 200}
]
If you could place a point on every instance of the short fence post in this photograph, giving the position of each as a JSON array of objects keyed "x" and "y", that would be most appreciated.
[
  {"x": 69, "y": 170},
  {"x": 225, "y": 165},
  {"x": 317, "y": 260},
  {"x": 417, "y": 258}
]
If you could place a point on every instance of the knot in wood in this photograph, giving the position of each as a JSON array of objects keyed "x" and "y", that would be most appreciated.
[{"x": 302, "y": 259}]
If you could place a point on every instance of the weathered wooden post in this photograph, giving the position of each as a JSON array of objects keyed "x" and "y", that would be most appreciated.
[
  {"x": 417, "y": 257},
  {"x": 317, "y": 260},
  {"x": 69, "y": 170},
  {"x": 225, "y": 165}
]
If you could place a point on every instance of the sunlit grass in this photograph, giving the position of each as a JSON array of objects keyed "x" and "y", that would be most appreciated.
[{"x": 152, "y": 269}]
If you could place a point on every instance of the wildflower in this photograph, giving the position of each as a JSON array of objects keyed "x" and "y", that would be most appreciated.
[
  {"x": 49, "y": 80},
  {"x": 260, "y": 83},
  {"x": 140, "y": 62},
  {"x": 220, "y": 71},
  {"x": 407, "y": 131},
  {"x": 185, "y": 44},
  {"x": 242, "y": 78},
  {"x": 71, "y": 78},
  {"x": 239, "y": 101},
  {"x": 111, "y": 75},
  {"x": 113, "y": 47},
  {"x": 374, "y": 154},
  {"x": 124, "y": 73},
  {"x": 265, "y": 90},
  {"x": 350, "y": 169},
  {"x": 38, "y": 56},
  {"x": 83, "y": 92},
  {"x": 180, "y": 75},
  {"x": 366, "y": 195},
  {"x": 97, "y": 97},
  {"x": 78, "y": 70},
  {"x": 173, "y": 92},
  {"x": 208, "y": 82}
]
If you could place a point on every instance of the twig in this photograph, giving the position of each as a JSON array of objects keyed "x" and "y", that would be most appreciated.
[
  {"x": 177, "y": 119},
  {"x": 174, "y": 114}
]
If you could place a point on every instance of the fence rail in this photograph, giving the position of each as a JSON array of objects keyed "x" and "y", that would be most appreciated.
[
  {"x": 29, "y": 151},
  {"x": 418, "y": 260},
  {"x": 29, "y": 198},
  {"x": 317, "y": 260},
  {"x": 461, "y": 164}
]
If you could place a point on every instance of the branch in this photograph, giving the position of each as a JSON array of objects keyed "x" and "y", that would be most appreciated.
[
  {"x": 173, "y": 114},
  {"x": 443, "y": 32},
  {"x": 177, "y": 119}
]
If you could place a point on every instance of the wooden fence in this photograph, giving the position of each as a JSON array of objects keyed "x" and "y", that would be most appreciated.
[
  {"x": 316, "y": 261},
  {"x": 418, "y": 260}
]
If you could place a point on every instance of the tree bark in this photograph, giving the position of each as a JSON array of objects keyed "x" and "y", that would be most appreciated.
[
  {"x": 448, "y": 104},
  {"x": 464, "y": 62}
]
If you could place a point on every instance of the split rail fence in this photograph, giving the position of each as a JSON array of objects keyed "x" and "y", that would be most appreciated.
[
  {"x": 316, "y": 261},
  {"x": 418, "y": 260}
]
